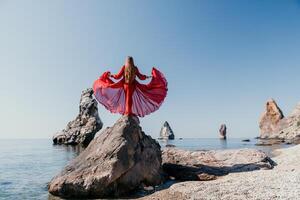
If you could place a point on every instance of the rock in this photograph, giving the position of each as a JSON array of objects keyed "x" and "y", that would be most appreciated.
[
  {"x": 269, "y": 142},
  {"x": 84, "y": 127},
  {"x": 274, "y": 126},
  {"x": 282, "y": 182},
  {"x": 207, "y": 165},
  {"x": 269, "y": 122},
  {"x": 223, "y": 131},
  {"x": 246, "y": 140},
  {"x": 119, "y": 160},
  {"x": 170, "y": 145},
  {"x": 166, "y": 132}
]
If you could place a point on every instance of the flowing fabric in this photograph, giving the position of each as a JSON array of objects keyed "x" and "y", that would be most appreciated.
[{"x": 131, "y": 98}]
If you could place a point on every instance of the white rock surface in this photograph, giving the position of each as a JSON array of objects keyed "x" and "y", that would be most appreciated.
[{"x": 282, "y": 182}]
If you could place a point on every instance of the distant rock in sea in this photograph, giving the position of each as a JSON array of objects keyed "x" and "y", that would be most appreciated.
[
  {"x": 246, "y": 140},
  {"x": 121, "y": 159},
  {"x": 166, "y": 132},
  {"x": 83, "y": 128},
  {"x": 223, "y": 131},
  {"x": 274, "y": 125}
]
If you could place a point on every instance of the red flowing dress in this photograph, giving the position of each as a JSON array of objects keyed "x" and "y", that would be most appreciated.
[{"x": 129, "y": 97}]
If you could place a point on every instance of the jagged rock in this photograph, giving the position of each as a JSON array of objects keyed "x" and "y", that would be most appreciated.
[
  {"x": 270, "y": 120},
  {"x": 166, "y": 132},
  {"x": 207, "y": 165},
  {"x": 119, "y": 160},
  {"x": 83, "y": 129},
  {"x": 223, "y": 131},
  {"x": 275, "y": 126}
]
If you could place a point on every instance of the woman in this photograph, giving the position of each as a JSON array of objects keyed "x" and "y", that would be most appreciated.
[{"x": 127, "y": 96}]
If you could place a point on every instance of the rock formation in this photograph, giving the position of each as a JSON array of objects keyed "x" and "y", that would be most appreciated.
[
  {"x": 84, "y": 127},
  {"x": 282, "y": 182},
  {"x": 274, "y": 125},
  {"x": 270, "y": 120},
  {"x": 166, "y": 132},
  {"x": 223, "y": 131},
  {"x": 207, "y": 165},
  {"x": 116, "y": 162}
]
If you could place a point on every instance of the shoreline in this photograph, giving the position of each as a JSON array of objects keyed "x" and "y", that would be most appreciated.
[{"x": 283, "y": 181}]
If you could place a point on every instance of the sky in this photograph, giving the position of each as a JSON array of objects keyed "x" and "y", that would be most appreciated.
[{"x": 223, "y": 60}]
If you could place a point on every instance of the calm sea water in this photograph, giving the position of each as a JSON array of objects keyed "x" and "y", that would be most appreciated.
[{"x": 26, "y": 166}]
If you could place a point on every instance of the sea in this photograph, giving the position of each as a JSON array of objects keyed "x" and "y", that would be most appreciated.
[{"x": 27, "y": 165}]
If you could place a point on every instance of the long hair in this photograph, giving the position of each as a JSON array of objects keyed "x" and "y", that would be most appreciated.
[{"x": 131, "y": 61}]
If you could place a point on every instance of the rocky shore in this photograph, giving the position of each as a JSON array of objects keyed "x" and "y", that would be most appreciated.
[
  {"x": 123, "y": 160},
  {"x": 282, "y": 182},
  {"x": 275, "y": 127}
]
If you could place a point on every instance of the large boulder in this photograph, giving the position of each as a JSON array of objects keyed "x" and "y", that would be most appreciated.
[
  {"x": 207, "y": 165},
  {"x": 83, "y": 128},
  {"x": 166, "y": 132},
  {"x": 274, "y": 125},
  {"x": 270, "y": 120},
  {"x": 119, "y": 160},
  {"x": 290, "y": 127}
]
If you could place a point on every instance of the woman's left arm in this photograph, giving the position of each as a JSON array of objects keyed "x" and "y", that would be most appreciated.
[{"x": 141, "y": 76}]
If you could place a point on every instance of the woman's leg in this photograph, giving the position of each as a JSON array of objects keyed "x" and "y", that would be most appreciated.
[{"x": 129, "y": 89}]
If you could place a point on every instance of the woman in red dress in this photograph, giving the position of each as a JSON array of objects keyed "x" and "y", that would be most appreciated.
[{"x": 127, "y": 96}]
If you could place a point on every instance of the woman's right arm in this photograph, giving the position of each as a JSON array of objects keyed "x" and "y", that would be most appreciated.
[{"x": 118, "y": 75}]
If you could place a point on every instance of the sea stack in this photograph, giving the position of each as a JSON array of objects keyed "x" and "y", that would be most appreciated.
[
  {"x": 270, "y": 120},
  {"x": 166, "y": 132},
  {"x": 223, "y": 131},
  {"x": 118, "y": 161},
  {"x": 83, "y": 128}
]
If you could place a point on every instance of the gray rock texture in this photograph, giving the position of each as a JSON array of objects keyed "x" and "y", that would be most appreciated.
[
  {"x": 282, "y": 182},
  {"x": 83, "y": 128},
  {"x": 207, "y": 165},
  {"x": 119, "y": 160},
  {"x": 166, "y": 132}
]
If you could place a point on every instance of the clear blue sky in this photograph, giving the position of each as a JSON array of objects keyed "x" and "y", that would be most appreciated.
[{"x": 223, "y": 59}]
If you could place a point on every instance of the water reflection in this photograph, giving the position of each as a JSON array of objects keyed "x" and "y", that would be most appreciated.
[
  {"x": 223, "y": 144},
  {"x": 75, "y": 149}
]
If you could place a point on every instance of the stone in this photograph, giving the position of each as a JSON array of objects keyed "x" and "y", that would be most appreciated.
[
  {"x": 274, "y": 125},
  {"x": 282, "y": 182},
  {"x": 207, "y": 165},
  {"x": 119, "y": 160},
  {"x": 246, "y": 140},
  {"x": 170, "y": 145},
  {"x": 166, "y": 132},
  {"x": 223, "y": 131},
  {"x": 269, "y": 122},
  {"x": 83, "y": 128}
]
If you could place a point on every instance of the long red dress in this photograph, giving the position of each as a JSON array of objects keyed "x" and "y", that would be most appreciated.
[{"x": 129, "y": 97}]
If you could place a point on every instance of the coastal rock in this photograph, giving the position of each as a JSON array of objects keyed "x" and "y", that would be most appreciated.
[
  {"x": 119, "y": 160},
  {"x": 282, "y": 182},
  {"x": 83, "y": 128},
  {"x": 290, "y": 127},
  {"x": 270, "y": 120},
  {"x": 274, "y": 126},
  {"x": 166, "y": 132},
  {"x": 223, "y": 131},
  {"x": 199, "y": 165}
]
